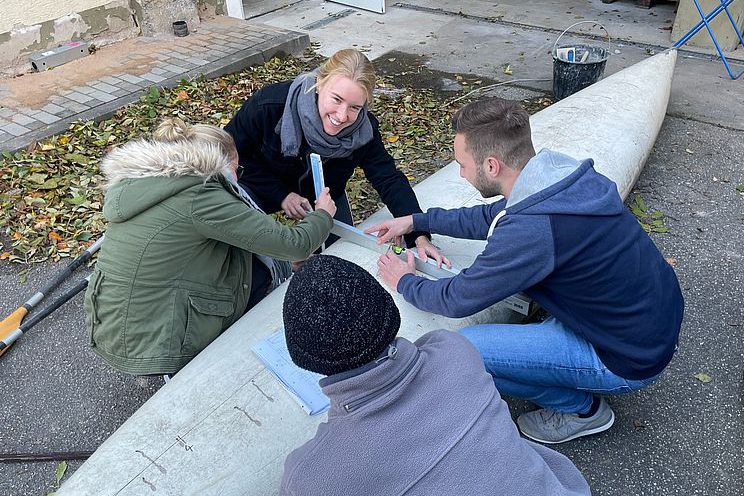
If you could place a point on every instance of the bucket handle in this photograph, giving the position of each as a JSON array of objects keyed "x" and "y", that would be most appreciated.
[{"x": 582, "y": 22}]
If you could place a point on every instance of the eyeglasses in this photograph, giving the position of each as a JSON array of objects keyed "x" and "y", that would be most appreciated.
[{"x": 239, "y": 171}]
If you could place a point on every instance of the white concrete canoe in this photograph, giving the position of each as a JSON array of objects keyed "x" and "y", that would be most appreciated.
[{"x": 223, "y": 425}]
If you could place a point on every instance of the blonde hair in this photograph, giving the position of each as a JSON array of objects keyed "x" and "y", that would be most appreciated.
[
  {"x": 350, "y": 63},
  {"x": 174, "y": 129}
]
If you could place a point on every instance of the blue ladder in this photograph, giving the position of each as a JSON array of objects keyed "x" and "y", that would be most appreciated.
[{"x": 704, "y": 22}]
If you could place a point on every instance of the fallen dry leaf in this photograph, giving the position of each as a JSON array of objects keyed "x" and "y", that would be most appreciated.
[{"x": 704, "y": 378}]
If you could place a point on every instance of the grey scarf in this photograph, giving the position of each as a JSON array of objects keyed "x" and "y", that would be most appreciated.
[
  {"x": 301, "y": 117},
  {"x": 280, "y": 269}
]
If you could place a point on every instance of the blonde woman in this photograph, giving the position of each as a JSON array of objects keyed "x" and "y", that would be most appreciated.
[
  {"x": 323, "y": 112},
  {"x": 185, "y": 255}
]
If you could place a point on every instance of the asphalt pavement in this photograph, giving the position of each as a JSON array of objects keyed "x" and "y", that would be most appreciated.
[{"x": 57, "y": 396}]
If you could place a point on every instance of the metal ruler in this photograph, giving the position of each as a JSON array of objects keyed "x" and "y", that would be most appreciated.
[{"x": 520, "y": 303}]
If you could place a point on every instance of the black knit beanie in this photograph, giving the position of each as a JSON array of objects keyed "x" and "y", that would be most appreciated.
[{"x": 337, "y": 317}]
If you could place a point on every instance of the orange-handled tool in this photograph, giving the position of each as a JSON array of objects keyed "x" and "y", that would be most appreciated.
[{"x": 11, "y": 327}]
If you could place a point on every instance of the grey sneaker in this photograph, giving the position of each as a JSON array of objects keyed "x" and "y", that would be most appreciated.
[{"x": 548, "y": 426}]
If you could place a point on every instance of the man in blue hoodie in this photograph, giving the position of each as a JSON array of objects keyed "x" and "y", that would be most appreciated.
[{"x": 561, "y": 235}]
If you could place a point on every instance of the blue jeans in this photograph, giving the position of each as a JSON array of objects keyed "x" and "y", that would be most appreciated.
[{"x": 547, "y": 364}]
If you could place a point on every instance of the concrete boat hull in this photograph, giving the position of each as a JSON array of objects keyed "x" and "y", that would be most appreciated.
[{"x": 224, "y": 425}]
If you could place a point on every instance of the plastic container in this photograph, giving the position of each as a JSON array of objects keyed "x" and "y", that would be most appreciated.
[{"x": 586, "y": 68}]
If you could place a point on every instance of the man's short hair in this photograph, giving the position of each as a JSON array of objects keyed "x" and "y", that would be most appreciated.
[{"x": 494, "y": 127}]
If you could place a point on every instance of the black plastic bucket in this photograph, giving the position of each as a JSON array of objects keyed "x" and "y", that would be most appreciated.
[
  {"x": 180, "y": 28},
  {"x": 586, "y": 68}
]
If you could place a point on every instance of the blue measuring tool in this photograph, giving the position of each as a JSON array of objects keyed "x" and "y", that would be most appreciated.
[
  {"x": 316, "y": 165},
  {"x": 317, "y": 168},
  {"x": 520, "y": 303}
]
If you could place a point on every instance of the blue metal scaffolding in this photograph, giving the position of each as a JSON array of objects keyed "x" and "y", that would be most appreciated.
[{"x": 705, "y": 22}]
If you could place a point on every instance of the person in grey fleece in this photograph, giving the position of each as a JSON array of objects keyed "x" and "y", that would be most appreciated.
[{"x": 419, "y": 418}]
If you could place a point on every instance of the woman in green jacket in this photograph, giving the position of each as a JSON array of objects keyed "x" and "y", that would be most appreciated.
[{"x": 186, "y": 251}]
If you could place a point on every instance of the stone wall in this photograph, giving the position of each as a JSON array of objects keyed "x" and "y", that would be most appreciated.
[
  {"x": 31, "y": 26},
  {"x": 211, "y": 8},
  {"x": 156, "y": 17},
  {"x": 15, "y": 13}
]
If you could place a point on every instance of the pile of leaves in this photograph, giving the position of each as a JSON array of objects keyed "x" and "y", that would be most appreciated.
[
  {"x": 50, "y": 194},
  {"x": 50, "y": 201}
]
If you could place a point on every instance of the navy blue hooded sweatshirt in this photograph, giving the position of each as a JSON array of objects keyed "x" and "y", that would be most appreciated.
[{"x": 565, "y": 239}]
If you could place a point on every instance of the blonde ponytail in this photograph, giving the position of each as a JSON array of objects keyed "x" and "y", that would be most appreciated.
[
  {"x": 173, "y": 129},
  {"x": 216, "y": 135}
]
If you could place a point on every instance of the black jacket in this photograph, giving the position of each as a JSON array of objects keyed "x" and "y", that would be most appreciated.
[{"x": 271, "y": 176}]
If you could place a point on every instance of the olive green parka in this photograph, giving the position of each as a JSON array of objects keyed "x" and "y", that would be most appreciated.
[{"x": 174, "y": 270}]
